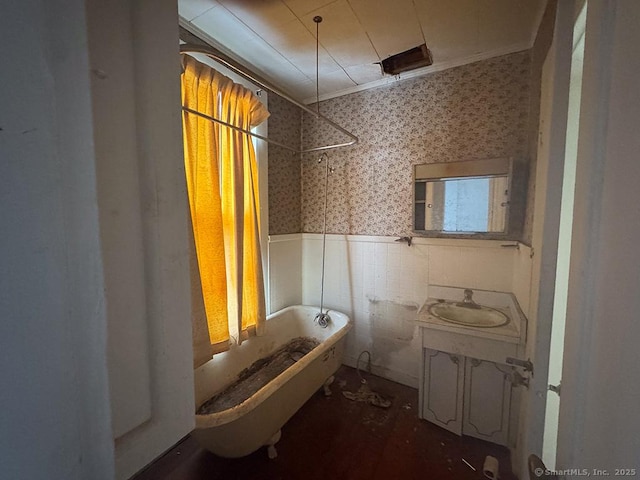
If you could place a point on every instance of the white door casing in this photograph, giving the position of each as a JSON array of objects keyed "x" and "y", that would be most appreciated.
[
  {"x": 564, "y": 244},
  {"x": 549, "y": 176},
  {"x": 598, "y": 421}
]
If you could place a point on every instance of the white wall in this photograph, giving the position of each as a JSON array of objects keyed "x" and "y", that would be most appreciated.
[
  {"x": 135, "y": 73},
  {"x": 285, "y": 271},
  {"x": 599, "y": 420},
  {"x": 94, "y": 240},
  {"x": 55, "y": 421},
  {"x": 380, "y": 284},
  {"x": 121, "y": 231}
]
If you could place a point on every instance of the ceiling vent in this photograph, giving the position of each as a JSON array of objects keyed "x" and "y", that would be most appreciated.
[{"x": 409, "y": 60}]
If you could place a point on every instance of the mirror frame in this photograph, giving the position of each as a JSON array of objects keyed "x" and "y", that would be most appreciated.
[{"x": 468, "y": 168}]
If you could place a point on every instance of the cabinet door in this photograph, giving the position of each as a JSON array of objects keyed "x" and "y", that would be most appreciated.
[
  {"x": 442, "y": 389},
  {"x": 487, "y": 401}
]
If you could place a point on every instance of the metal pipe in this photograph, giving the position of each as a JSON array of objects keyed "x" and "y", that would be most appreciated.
[
  {"x": 248, "y": 132},
  {"x": 327, "y": 170},
  {"x": 362, "y": 380},
  {"x": 190, "y": 48}
]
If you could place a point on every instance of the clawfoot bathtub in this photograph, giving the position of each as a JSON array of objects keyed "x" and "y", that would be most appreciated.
[{"x": 244, "y": 428}]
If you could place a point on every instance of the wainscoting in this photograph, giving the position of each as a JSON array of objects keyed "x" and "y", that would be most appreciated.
[{"x": 381, "y": 283}]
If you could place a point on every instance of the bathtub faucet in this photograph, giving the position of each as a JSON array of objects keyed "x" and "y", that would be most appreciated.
[{"x": 323, "y": 319}]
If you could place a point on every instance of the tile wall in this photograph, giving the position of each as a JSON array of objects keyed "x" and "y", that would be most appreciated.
[
  {"x": 285, "y": 271},
  {"x": 381, "y": 284}
]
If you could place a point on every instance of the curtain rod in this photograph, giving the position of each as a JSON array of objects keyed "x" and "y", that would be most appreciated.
[{"x": 211, "y": 53}]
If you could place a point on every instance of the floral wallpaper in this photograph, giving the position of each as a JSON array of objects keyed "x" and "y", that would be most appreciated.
[
  {"x": 475, "y": 111},
  {"x": 284, "y": 167}
]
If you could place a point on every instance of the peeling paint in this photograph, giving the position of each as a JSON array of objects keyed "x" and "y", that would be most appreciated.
[
  {"x": 393, "y": 320},
  {"x": 393, "y": 334}
]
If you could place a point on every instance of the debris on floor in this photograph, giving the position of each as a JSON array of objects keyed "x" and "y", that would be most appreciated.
[
  {"x": 364, "y": 394},
  {"x": 468, "y": 465},
  {"x": 491, "y": 467}
]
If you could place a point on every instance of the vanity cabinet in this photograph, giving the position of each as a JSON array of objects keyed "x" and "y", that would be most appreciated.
[
  {"x": 466, "y": 386},
  {"x": 466, "y": 396}
]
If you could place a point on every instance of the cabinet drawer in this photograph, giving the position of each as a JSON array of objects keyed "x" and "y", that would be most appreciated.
[{"x": 466, "y": 345}]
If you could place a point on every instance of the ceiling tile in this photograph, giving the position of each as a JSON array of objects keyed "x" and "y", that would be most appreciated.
[
  {"x": 298, "y": 45},
  {"x": 262, "y": 56},
  {"x": 362, "y": 74},
  {"x": 276, "y": 38},
  {"x": 303, "y": 90},
  {"x": 290, "y": 34},
  {"x": 392, "y": 25},
  {"x": 190, "y": 9},
  {"x": 302, "y": 7},
  {"x": 335, "y": 81},
  {"x": 307, "y": 64},
  {"x": 450, "y": 28},
  {"x": 262, "y": 16},
  {"x": 224, "y": 27},
  {"x": 249, "y": 48},
  {"x": 342, "y": 35},
  {"x": 505, "y": 22}
]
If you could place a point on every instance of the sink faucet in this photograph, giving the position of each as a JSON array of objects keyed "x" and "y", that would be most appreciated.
[
  {"x": 467, "y": 301},
  {"x": 468, "y": 296}
]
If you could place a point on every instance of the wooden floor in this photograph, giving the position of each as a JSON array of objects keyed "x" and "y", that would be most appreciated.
[{"x": 336, "y": 438}]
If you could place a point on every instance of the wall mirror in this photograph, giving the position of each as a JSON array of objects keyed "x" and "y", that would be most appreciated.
[{"x": 462, "y": 197}]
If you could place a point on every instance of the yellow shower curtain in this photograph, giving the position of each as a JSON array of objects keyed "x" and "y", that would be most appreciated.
[{"x": 222, "y": 183}]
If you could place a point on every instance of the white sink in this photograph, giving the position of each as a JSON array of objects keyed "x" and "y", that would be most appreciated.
[
  {"x": 478, "y": 316},
  {"x": 493, "y": 332}
]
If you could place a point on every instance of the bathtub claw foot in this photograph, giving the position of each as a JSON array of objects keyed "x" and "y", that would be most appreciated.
[
  {"x": 271, "y": 445},
  {"x": 272, "y": 452},
  {"x": 327, "y": 385}
]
